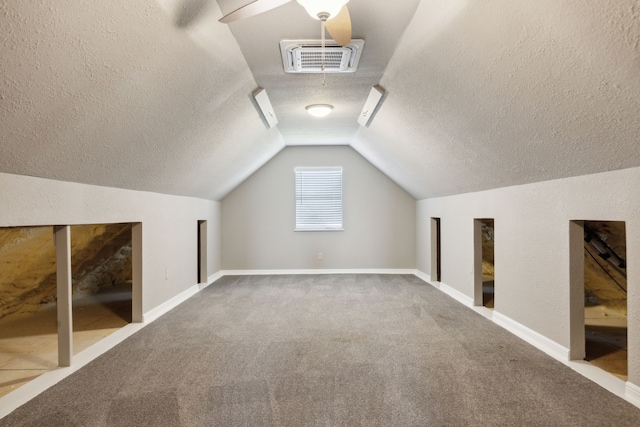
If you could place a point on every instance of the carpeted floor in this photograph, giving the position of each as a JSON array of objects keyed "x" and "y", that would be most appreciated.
[{"x": 324, "y": 350}]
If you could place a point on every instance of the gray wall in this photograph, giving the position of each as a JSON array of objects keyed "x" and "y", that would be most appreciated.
[
  {"x": 532, "y": 282},
  {"x": 169, "y": 225},
  {"x": 258, "y": 218}
]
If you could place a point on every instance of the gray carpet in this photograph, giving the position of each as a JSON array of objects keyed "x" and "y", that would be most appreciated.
[{"x": 324, "y": 350}]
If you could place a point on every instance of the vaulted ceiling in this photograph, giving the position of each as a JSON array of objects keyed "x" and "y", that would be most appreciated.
[{"x": 155, "y": 95}]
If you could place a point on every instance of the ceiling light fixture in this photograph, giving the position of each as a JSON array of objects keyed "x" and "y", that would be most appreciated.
[
  {"x": 319, "y": 110},
  {"x": 322, "y": 10}
]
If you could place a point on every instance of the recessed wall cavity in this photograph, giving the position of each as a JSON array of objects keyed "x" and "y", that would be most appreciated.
[
  {"x": 599, "y": 297},
  {"x": 101, "y": 284},
  {"x": 203, "y": 274},
  {"x": 27, "y": 269},
  {"x": 101, "y": 264},
  {"x": 484, "y": 266},
  {"x": 436, "y": 261},
  {"x": 605, "y": 299}
]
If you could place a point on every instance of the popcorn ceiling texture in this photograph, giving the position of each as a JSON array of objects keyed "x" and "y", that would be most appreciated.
[
  {"x": 497, "y": 93},
  {"x": 115, "y": 94},
  {"x": 155, "y": 95}
]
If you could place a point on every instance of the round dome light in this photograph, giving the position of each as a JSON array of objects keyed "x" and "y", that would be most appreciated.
[{"x": 319, "y": 110}]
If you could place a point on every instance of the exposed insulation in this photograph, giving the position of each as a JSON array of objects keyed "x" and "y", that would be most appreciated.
[{"x": 101, "y": 257}]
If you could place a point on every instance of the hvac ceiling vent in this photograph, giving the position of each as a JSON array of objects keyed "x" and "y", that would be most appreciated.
[{"x": 305, "y": 56}]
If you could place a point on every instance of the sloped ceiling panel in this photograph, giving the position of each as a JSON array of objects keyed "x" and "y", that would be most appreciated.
[
  {"x": 496, "y": 93},
  {"x": 379, "y": 22},
  {"x": 143, "y": 95},
  {"x": 155, "y": 94}
]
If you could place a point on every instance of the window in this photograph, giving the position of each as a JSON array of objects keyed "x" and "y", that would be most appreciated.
[{"x": 318, "y": 199}]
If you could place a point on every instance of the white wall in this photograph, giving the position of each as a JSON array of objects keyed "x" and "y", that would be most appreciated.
[
  {"x": 259, "y": 217},
  {"x": 169, "y": 225},
  {"x": 532, "y": 246}
]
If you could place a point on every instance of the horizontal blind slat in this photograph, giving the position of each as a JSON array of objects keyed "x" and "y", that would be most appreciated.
[{"x": 318, "y": 198}]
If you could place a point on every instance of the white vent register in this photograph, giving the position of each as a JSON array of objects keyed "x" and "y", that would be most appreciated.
[{"x": 306, "y": 56}]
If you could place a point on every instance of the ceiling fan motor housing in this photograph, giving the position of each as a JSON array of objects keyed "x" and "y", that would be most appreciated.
[{"x": 322, "y": 9}]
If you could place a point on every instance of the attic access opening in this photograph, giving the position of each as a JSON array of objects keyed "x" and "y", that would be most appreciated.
[
  {"x": 436, "y": 262},
  {"x": 101, "y": 264},
  {"x": 483, "y": 263},
  {"x": 599, "y": 295},
  {"x": 202, "y": 252},
  {"x": 28, "y": 343},
  {"x": 102, "y": 260}
]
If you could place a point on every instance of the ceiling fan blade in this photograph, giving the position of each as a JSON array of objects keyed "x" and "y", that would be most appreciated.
[
  {"x": 254, "y": 8},
  {"x": 340, "y": 27}
]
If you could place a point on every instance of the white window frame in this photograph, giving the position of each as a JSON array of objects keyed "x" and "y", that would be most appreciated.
[{"x": 325, "y": 210}]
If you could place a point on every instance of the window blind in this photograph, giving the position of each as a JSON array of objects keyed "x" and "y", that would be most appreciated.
[{"x": 318, "y": 199}]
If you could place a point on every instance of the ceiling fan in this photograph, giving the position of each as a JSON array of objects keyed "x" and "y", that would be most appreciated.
[{"x": 333, "y": 14}]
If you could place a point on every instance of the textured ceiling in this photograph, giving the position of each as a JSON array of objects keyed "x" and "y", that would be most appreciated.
[
  {"x": 379, "y": 22},
  {"x": 155, "y": 94},
  {"x": 486, "y": 94},
  {"x": 136, "y": 95}
]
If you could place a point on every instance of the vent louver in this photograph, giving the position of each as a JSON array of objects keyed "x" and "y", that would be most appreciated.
[{"x": 305, "y": 56}]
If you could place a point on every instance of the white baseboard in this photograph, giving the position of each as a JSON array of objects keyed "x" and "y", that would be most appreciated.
[
  {"x": 628, "y": 391},
  {"x": 632, "y": 393},
  {"x": 456, "y": 295},
  {"x": 424, "y": 276},
  {"x": 214, "y": 277},
  {"x": 23, "y": 394},
  {"x": 599, "y": 376},
  {"x": 317, "y": 271},
  {"x": 166, "y": 306},
  {"x": 534, "y": 338},
  {"x": 452, "y": 292},
  {"x": 20, "y": 396}
]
